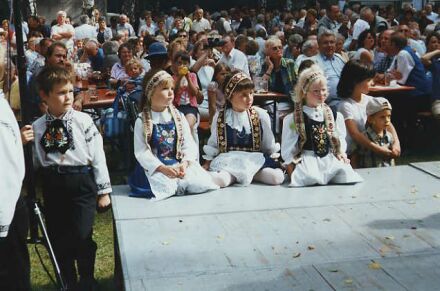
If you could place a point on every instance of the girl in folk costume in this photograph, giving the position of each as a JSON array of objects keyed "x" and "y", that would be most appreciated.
[
  {"x": 241, "y": 140},
  {"x": 313, "y": 139},
  {"x": 163, "y": 145}
]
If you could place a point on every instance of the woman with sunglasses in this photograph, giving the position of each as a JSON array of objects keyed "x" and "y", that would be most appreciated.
[{"x": 279, "y": 72}]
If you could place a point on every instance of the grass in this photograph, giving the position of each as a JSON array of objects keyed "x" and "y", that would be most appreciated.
[{"x": 104, "y": 266}]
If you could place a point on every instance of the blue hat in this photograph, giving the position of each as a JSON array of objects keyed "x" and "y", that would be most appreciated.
[{"x": 156, "y": 49}]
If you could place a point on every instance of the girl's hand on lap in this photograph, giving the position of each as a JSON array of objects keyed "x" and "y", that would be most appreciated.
[
  {"x": 168, "y": 171},
  {"x": 343, "y": 158}
]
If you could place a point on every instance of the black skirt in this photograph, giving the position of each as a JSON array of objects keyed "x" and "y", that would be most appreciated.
[{"x": 188, "y": 109}]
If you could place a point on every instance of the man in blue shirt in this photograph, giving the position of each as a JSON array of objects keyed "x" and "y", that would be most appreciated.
[
  {"x": 330, "y": 62},
  {"x": 94, "y": 54}
]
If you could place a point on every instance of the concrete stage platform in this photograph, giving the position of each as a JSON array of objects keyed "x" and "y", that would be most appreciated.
[{"x": 382, "y": 234}]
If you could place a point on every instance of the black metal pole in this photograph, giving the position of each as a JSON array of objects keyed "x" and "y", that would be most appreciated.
[{"x": 26, "y": 116}]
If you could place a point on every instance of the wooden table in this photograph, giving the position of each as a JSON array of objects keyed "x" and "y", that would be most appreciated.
[
  {"x": 383, "y": 91},
  {"x": 82, "y": 85},
  {"x": 105, "y": 99},
  {"x": 273, "y": 97}
]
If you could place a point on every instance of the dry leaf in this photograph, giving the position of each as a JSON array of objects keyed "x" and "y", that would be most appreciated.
[
  {"x": 383, "y": 250},
  {"x": 374, "y": 266},
  {"x": 296, "y": 255},
  {"x": 390, "y": 237},
  {"x": 311, "y": 247},
  {"x": 220, "y": 237},
  {"x": 348, "y": 281},
  {"x": 165, "y": 243}
]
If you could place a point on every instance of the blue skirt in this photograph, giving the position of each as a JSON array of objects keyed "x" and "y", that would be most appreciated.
[{"x": 138, "y": 182}]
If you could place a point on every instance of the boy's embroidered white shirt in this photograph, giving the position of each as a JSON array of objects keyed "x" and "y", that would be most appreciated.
[{"x": 86, "y": 150}]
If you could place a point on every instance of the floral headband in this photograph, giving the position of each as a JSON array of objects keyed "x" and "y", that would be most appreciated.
[
  {"x": 156, "y": 80},
  {"x": 312, "y": 78},
  {"x": 233, "y": 82}
]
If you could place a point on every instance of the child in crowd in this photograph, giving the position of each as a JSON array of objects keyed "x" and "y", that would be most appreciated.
[
  {"x": 241, "y": 142},
  {"x": 135, "y": 72},
  {"x": 353, "y": 86},
  {"x": 216, "y": 98},
  {"x": 187, "y": 94},
  {"x": 69, "y": 149},
  {"x": 163, "y": 146},
  {"x": 379, "y": 119},
  {"x": 313, "y": 138}
]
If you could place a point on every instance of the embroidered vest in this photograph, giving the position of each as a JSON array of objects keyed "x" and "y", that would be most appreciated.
[
  {"x": 222, "y": 140},
  {"x": 317, "y": 137},
  {"x": 417, "y": 76},
  {"x": 148, "y": 129},
  {"x": 329, "y": 121}
]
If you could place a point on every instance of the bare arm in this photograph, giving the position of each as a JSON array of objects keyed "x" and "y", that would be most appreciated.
[
  {"x": 395, "y": 148},
  {"x": 212, "y": 104},
  {"x": 426, "y": 58}
]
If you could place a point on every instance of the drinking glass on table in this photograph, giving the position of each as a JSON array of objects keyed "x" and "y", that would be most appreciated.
[{"x": 93, "y": 93}]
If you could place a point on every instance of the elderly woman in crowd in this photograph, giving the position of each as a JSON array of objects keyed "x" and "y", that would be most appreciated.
[
  {"x": 279, "y": 72},
  {"x": 110, "y": 49},
  {"x": 310, "y": 49}
]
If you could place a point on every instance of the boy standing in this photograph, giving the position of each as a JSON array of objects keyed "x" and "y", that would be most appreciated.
[
  {"x": 69, "y": 149},
  {"x": 379, "y": 118}
]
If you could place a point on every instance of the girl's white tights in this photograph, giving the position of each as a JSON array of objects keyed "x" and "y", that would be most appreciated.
[
  {"x": 267, "y": 176},
  {"x": 270, "y": 176},
  {"x": 222, "y": 178}
]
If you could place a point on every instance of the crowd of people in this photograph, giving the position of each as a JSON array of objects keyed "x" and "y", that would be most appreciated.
[{"x": 193, "y": 67}]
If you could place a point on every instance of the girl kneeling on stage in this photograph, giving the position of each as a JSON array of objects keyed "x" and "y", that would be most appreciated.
[
  {"x": 313, "y": 138},
  {"x": 241, "y": 142},
  {"x": 164, "y": 148}
]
